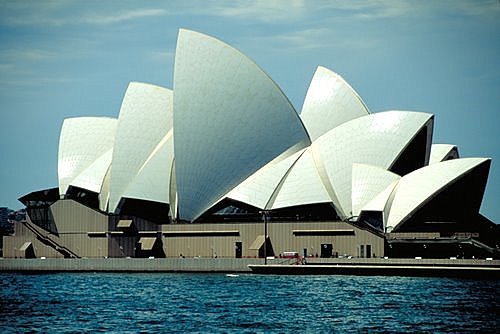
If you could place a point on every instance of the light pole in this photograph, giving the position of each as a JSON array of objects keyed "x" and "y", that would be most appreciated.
[{"x": 264, "y": 217}]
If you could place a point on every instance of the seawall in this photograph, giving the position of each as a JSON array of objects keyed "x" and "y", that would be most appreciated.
[
  {"x": 466, "y": 268},
  {"x": 130, "y": 265},
  {"x": 355, "y": 266}
]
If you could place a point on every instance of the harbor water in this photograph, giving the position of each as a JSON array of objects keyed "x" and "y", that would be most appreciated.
[{"x": 235, "y": 303}]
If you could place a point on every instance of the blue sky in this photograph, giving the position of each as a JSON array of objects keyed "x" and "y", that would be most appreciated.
[{"x": 62, "y": 59}]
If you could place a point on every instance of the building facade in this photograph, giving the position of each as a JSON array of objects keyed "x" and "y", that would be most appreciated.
[{"x": 200, "y": 169}]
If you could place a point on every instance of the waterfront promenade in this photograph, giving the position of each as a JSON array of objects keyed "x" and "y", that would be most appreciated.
[{"x": 354, "y": 266}]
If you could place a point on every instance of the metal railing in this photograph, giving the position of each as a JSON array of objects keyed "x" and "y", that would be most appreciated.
[{"x": 66, "y": 252}]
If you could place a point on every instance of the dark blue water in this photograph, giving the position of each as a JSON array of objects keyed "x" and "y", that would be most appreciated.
[{"x": 102, "y": 302}]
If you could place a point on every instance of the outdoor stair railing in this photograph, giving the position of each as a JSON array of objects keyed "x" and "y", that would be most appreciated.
[{"x": 46, "y": 239}]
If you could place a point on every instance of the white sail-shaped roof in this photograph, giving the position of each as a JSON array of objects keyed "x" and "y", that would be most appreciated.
[
  {"x": 330, "y": 101},
  {"x": 380, "y": 201},
  {"x": 376, "y": 139},
  {"x": 104, "y": 192},
  {"x": 230, "y": 119},
  {"x": 93, "y": 176},
  {"x": 85, "y": 144},
  {"x": 443, "y": 152},
  {"x": 153, "y": 179},
  {"x": 419, "y": 187},
  {"x": 367, "y": 183},
  {"x": 302, "y": 185},
  {"x": 258, "y": 189},
  {"x": 145, "y": 118}
]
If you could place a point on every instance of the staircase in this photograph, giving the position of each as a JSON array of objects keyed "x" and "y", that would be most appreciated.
[{"x": 47, "y": 240}]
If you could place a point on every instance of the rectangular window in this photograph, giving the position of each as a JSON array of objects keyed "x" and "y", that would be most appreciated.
[
  {"x": 173, "y": 234},
  {"x": 338, "y": 232}
]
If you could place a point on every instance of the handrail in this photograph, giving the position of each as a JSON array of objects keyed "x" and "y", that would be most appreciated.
[
  {"x": 52, "y": 243},
  {"x": 483, "y": 246},
  {"x": 293, "y": 260}
]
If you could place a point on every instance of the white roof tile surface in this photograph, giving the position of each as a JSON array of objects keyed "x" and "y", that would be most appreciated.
[
  {"x": 302, "y": 185},
  {"x": 145, "y": 118},
  {"x": 375, "y": 139},
  {"x": 85, "y": 144},
  {"x": 330, "y": 101},
  {"x": 442, "y": 152},
  {"x": 234, "y": 134},
  {"x": 419, "y": 187},
  {"x": 258, "y": 189},
  {"x": 367, "y": 183},
  {"x": 230, "y": 119},
  {"x": 153, "y": 178}
]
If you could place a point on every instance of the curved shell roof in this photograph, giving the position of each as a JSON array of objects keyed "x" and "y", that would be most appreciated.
[
  {"x": 259, "y": 188},
  {"x": 367, "y": 183},
  {"x": 379, "y": 202},
  {"x": 235, "y": 134},
  {"x": 145, "y": 118},
  {"x": 302, "y": 185},
  {"x": 93, "y": 176},
  {"x": 285, "y": 183},
  {"x": 85, "y": 147},
  {"x": 104, "y": 193},
  {"x": 375, "y": 139},
  {"x": 230, "y": 120},
  {"x": 153, "y": 178},
  {"x": 443, "y": 152},
  {"x": 330, "y": 101},
  {"x": 419, "y": 187}
]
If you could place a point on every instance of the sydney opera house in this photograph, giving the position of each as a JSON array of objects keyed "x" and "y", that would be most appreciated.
[{"x": 223, "y": 165}]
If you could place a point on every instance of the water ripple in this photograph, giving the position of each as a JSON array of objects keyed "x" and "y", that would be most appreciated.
[{"x": 151, "y": 303}]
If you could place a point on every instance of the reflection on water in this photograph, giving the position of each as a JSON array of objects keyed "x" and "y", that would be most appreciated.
[{"x": 76, "y": 302}]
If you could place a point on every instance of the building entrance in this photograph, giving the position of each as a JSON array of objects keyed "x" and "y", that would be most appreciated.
[
  {"x": 326, "y": 250},
  {"x": 238, "y": 249}
]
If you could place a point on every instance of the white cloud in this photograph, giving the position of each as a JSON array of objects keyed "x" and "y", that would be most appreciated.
[
  {"x": 122, "y": 16},
  {"x": 60, "y": 15},
  {"x": 6, "y": 67},
  {"x": 25, "y": 54},
  {"x": 305, "y": 39},
  {"x": 315, "y": 38},
  {"x": 378, "y": 10},
  {"x": 386, "y": 9},
  {"x": 162, "y": 56},
  {"x": 260, "y": 10},
  {"x": 276, "y": 11},
  {"x": 13, "y": 77},
  {"x": 489, "y": 8}
]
